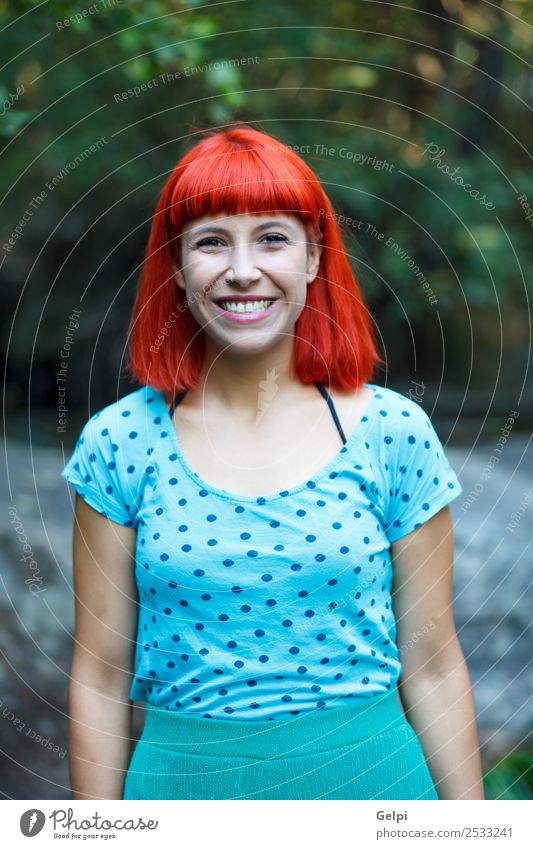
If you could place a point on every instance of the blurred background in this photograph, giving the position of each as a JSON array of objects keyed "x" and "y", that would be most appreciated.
[{"x": 417, "y": 119}]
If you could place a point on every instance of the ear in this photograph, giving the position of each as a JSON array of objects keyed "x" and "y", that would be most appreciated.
[{"x": 314, "y": 252}]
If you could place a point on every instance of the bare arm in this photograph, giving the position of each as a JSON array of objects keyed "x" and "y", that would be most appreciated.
[
  {"x": 435, "y": 686},
  {"x": 106, "y": 619}
]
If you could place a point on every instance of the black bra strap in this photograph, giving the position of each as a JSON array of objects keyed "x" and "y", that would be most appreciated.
[
  {"x": 322, "y": 389},
  {"x": 324, "y": 392},
  {"x": 179, "y": 397}
]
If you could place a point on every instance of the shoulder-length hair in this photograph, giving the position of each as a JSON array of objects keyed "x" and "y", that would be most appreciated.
[{"x": 234, "y": 171}]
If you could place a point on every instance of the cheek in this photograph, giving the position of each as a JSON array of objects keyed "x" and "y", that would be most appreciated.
[
  {"x": 293, "y": 264},
  {"x": 200, "y": 273}
]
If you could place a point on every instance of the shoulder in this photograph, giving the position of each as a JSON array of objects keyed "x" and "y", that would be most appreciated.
[
  {"x": 400, "y": 410},
  {"x": 111, "y": 459},
  {"x": 125, "y": 427},
  {"x": 401, "y": 429},
  {"x": 417, "y": 477},
  {"x": 125, "y": 416}
]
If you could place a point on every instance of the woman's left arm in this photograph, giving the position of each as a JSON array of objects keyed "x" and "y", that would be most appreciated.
[{"x": 435, "y": 687}]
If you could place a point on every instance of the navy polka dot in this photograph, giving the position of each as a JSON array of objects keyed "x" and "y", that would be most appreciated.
[{"x": 281, "y": 593}]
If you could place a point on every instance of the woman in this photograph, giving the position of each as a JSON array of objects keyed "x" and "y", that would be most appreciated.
[{"x": 239, "y": 516}]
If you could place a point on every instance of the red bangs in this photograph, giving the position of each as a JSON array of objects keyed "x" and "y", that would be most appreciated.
[
  {"x": 231, "y": 172},
  {"x": 232, "y": 176}
]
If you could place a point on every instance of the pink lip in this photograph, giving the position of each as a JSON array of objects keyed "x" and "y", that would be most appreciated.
[{"x": 243, "y": 318}]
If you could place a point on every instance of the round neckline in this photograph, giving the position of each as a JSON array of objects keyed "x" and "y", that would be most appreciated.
[{"x": 352, "y": 440}]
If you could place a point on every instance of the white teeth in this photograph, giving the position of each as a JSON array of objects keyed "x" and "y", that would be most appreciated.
[{"x": 249, "y": 306}]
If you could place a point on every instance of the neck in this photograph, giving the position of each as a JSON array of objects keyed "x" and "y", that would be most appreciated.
[{"x": 246, "y": 383}]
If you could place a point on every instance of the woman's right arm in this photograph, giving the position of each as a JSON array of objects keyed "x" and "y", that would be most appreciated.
[{"x": 100, "y": 711}]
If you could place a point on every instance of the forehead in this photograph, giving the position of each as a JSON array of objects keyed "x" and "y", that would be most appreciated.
[{"x": 247, "y": 221}]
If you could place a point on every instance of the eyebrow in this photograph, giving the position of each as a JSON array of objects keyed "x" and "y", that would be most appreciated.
[{"x": 210, "y": 228}]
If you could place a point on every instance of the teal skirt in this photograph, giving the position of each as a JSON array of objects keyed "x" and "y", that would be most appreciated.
[{"x": 362, "y": 749}]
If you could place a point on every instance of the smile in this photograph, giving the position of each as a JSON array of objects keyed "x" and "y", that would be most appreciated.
[{"x": 246, "y": 312}]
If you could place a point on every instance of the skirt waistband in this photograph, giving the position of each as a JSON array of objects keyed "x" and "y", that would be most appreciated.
[{"x": 319, "y": 730}]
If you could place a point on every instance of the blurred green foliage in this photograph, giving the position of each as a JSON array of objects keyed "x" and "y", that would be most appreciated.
[
  {"x": 511, "y": 778},
  {"x": 346, "y": 81}
]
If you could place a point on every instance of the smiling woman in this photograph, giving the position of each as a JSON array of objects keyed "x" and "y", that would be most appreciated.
[
  {"x": 238, "y": 539},
  {"x": 205, "y": 228},
  {"x": 255, "y": 252}
]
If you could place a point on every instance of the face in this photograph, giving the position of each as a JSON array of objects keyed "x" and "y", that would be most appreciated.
[{"x": 263, "y": 260}]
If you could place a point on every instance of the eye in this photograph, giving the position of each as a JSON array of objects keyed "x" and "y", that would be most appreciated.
[
  {"x": 214, "y": 242},
  {"x": 207, "y": 242},
  {"x": 276, "y": 238}
]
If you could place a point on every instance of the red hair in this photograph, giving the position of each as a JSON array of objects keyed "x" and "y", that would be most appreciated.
[{"x": 235, "y": 171}]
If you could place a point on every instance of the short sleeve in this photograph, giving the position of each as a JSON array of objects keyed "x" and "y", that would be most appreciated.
[
  {"x": 422, "y": 479},
  {"x": 100, "y": 473}
]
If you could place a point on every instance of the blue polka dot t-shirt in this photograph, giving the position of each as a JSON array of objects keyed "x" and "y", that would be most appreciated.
[{"x": 259, "y": 607}]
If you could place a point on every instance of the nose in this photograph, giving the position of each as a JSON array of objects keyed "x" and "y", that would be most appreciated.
[{"x": 242, "y": 261}]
